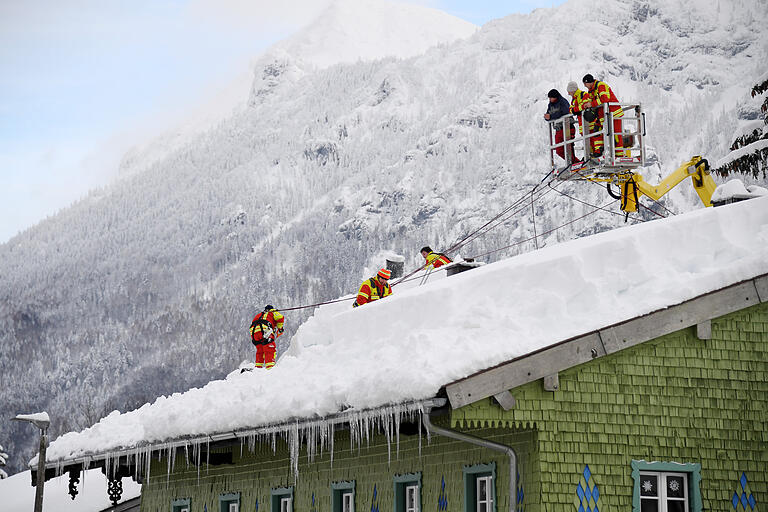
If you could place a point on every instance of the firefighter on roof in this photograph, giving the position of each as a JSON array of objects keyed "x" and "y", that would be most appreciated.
[
  {"x": 436, "y": 259},
  {"x": 374, "y": 288},
  {"x": 266, "y": 327}
]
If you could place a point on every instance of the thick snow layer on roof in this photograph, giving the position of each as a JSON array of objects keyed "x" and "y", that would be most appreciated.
[
  {"x": 409, "y": 345},
  {"x": 18, "y": 495}
]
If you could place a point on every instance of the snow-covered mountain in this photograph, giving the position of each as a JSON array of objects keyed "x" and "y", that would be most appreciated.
[
  {"x": 148, "y": 286},
  {"x": 347, "y": 31}
]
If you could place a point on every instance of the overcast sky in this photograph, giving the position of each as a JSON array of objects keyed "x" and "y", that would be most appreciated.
[{"x": 83, "y": 80}]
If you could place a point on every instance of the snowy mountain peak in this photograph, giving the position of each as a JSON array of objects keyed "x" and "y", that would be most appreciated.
[{"x": 352, "y": 30}]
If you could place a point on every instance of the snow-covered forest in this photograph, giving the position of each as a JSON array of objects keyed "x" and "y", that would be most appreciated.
[{"x": 148, "y": 286}]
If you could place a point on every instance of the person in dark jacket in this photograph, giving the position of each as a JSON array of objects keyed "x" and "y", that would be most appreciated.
[{"x": 559, "y": 108}]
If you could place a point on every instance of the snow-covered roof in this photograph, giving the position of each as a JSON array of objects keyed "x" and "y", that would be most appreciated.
[{"x": 405, "y": 348}]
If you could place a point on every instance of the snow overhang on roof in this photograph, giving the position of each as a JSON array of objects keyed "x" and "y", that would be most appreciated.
[{"x": 317, "y": 434}]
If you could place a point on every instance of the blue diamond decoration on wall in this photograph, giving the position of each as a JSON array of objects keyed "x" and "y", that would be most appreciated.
[
  {"x": 587, "y": 496},
  {"x": 442, "y": 499},
  {"x": 257, "y": 505},
  {"x": 374, "y": 501},
  {"x": 743, "y": 495}
]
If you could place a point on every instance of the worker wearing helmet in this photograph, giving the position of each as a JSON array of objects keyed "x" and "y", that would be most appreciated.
[
  {"x": 375, "y": 288},
  {"x": 600, "y": 93},
  {"x": 266, "y": 327},
  {"x": 436, "y": 259}
]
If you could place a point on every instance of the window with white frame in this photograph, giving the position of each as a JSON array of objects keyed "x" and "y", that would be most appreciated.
[
  {"x": 484, "y": 496},
  {"x": 343, "y": 496},
  {"x": 282, "y": 499},
  {"x": 480, "y": 488},
  {"x": 229, "y": 502},
  {"x": 666, "y": 486},
  {"x": 412, "y": 498},
  {"x": 348, "y": 501},
  {"x": 408, "y": 492},
  {"x": 663, "y": 492}
]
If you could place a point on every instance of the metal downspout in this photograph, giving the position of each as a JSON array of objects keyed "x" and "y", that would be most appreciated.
[{"x": 485, "y": 443}]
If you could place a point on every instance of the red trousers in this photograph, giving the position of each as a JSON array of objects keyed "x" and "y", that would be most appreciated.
[
  {"x": 265, "y": 355},
  {"x": 559, "y": 138}
]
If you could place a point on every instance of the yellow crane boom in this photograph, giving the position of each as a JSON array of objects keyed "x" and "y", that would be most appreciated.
[{"x": 633, "y": 186}]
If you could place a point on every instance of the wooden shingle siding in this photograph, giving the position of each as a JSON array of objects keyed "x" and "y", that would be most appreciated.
[
  {"x": 676, "y": 398},
  {"x": 253, "y": 475}
]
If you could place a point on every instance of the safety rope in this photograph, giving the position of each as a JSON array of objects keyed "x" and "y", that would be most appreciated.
[
  {"x": 519, "y": 205},
  {"x": 595, "y": 210}
]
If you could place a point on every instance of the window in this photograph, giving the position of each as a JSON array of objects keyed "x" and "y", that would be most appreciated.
[
  {"x": 343, "y": 496},
  {"x": 412, "y": 498},
  {"x": 229, "y": 502},
  {"x": 484, "y": 496},
  {"x": 282, "y": 499},
  {"x": 480, "y": 488},
  {"x": 408, "y": 492},
  {"x": 663, "y": 492},
  {"x": 180, "y": 505},
  {"x": 666, "y": 487},
  {"x": 348, "y": 502}
]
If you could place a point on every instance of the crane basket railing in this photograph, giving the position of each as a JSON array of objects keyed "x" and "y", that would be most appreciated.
[{"x": 622, "y": 136}]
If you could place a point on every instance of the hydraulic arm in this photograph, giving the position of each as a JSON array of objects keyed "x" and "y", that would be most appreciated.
[{"x": 633, "y": 186}]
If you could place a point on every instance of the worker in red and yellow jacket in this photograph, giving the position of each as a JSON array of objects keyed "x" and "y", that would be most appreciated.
[
  {"x": 579, "y": 99},
  {"x": 600, "y": 93},
  {"x": 266, "y": 327},
  {"x": 374, "y": 288},
  {"x": 435, "y": 259}
]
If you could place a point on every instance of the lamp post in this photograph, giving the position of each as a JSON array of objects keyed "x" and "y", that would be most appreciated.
[{"x": 41, "y": 420}]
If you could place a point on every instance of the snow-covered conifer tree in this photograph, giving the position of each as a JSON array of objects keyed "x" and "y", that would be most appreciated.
[
  {"x": 752, "y": 146},
  {"x": 3, "y": 460}
]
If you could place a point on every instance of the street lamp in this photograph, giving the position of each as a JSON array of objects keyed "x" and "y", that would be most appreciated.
[{"x": 41, "y": 420}]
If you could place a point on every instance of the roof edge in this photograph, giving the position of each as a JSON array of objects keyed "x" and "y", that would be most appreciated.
[
  {"x": 583, "y": 348},
  {"x": 107, "y": 457}
]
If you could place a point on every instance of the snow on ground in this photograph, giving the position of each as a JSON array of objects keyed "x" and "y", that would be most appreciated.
[
  {"x": 407, "y": 346},
  {"x": 18, "y": 495}
]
